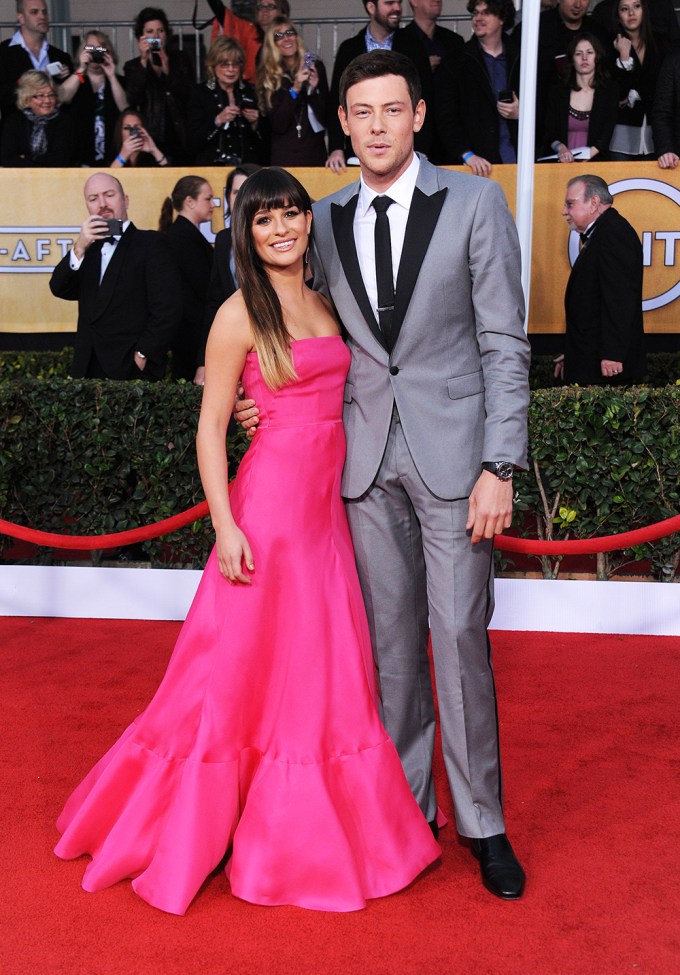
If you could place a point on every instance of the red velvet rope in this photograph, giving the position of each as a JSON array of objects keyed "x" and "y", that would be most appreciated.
[
  {"x": 507, "y": 543},
  {"x": 589, "y": 546},
  {"x": 86, "y": 542}
]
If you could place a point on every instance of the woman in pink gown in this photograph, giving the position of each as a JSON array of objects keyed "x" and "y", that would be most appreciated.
[{"x": 263, "y": 737}]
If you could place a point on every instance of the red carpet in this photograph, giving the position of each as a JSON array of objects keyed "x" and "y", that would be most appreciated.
[{"x": 590, "y": 743}]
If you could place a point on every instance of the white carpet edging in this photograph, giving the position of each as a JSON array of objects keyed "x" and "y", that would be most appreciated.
[{"x": 559, "y": 606}]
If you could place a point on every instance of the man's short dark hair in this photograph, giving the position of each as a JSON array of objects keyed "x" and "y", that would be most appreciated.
[
  {"x": 505, "y": 9},
  {"x": 593, "y": 186},
  {"x": 377, "y": 64}
]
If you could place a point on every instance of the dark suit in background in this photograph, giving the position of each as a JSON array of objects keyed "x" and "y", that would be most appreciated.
[
  {"x": 193, "y": 256},
  {"x": 136, "y": 308},
  {"x": 222, "y": 284},
  {"x": 603, "y": 305},
  {"x": 448, "y": 46},
  {"x": 467, "y": 119}
]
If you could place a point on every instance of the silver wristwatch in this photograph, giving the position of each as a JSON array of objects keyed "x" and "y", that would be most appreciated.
[{"x": 503, "y": 469}]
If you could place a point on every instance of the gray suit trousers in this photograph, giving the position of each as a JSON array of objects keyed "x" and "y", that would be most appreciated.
[{"x": 415, "y": 561}]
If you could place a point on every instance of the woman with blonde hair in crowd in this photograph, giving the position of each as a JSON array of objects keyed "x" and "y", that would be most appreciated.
[
  {"x": 292, "y": 92},
  {"x": 38, "y": 134},
  {"x": 223, "y": 115},
  {"x": 192, "y": 201},
  {"x": 96, "y": 96}
]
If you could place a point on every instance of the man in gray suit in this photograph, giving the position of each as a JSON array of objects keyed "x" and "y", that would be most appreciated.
[{"x": 435, "y": 417}]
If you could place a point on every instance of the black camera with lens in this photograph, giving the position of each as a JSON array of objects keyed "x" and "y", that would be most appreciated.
[
  {"x": 97, "y": 54},
  {"x": 154, "y": 43}
]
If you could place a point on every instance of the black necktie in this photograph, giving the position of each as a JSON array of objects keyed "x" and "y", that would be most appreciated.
[
  {"x": 383, "y": 264},
  {"x": 585, "y": 236}
]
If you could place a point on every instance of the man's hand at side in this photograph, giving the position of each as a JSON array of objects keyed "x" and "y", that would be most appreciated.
[{"x": 490, "y": 507}]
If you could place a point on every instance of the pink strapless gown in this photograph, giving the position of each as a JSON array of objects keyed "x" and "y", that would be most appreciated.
[{"x": 264, "y": 734}]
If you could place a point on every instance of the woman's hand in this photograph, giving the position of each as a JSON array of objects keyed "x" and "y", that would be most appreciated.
[
  {"x": 313, "y": 80},
  {"x": 108, "y": 66},
  {"x": 131, "y": 145},
  {"x": 228, "y": 114},
  {"x": 233, "y": 555},
  {"x": 301, "y": 79},
  {"x": 564, "y": 154},
  {"x": 668, "y": 160},
  {"x": 84, "y": 62},
  {"x": 623, "y": 45},
  {"x": 251, "y": 115}
]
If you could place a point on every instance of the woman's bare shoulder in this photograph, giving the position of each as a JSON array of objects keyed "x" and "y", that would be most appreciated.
[{"x": 231, "y": 325}]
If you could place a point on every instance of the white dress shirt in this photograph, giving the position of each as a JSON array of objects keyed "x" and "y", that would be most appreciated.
[
  {"x": 39, "y": 63},
  {"x": 108, "y": 249},
  {"x": 401, "y": 192}
]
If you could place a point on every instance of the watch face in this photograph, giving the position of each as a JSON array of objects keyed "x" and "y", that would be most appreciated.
[{"x": 505, "y": 470}]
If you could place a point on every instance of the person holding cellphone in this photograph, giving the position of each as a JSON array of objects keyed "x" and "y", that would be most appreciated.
[
  {"x": 292, "y": 92},
  {"x": 223, "y": 117}
]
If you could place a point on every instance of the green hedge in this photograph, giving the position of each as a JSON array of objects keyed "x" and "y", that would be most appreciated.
[
  {"x": 663, "y": 368},
  {"x": 91, "y": 457}
]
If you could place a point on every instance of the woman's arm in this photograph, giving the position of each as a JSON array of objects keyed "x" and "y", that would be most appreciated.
[{"x": 229, "y": 342}]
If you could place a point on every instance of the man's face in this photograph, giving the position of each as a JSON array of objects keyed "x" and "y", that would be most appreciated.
[
  {"x": 381, "y": 122},
  {"x": 485, "y": 25},
  {"x": 577, "y": 211},
  {"x": 429, "y": 9},
  {"x": 104, "y": 197},
  {"x": 33, "y": 17},
  {"x": 266, "y": 11},
  {"x": 572, "y": 12},
  {"x": 385, "y": 13}
]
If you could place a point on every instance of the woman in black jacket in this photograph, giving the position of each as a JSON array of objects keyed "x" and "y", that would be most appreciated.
[
  {"x": 39, "y": 134},
  {"x": 96, "y": 97},
  {"x": 223, "y": 116},
  {"x": 192, "y": 201},
  {"x": 581, "y": 113},
  {"x": 158, "y": 83},
  {"x": 638, "y": 59}
]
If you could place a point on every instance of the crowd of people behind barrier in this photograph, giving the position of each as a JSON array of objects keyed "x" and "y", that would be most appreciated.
[{"x": 608, "y": 88}]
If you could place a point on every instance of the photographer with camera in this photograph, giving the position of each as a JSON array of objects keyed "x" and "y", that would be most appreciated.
[
  {"x": 132, "y": 144},
  {"x": 96, "y": 96},
  {"x": 292, "y": 92},
  {"x": 158, "y": 83},
  {"x": 125, "y": 283}
]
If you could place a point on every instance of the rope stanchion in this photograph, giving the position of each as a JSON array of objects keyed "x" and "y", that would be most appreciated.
[
  {"x": 506, "y": 543},
  {"x": 589, "y": 546},
  {"x": 89, "y": 542}
]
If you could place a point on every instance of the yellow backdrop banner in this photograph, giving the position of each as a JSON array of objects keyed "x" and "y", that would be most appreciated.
[{"x": 42, "y": 211}]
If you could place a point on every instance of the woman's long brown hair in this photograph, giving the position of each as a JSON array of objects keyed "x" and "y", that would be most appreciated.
[{"x": 268, "y": 189}]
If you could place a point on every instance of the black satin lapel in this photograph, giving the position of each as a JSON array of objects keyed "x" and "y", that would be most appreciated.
[
  {"x": 422, "y": 220},
  {"x": 342, "y": 219},
  {"x": 110, "y": 279}
]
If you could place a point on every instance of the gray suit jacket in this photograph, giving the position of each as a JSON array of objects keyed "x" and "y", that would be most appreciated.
[{"x": 458, "y": 369}]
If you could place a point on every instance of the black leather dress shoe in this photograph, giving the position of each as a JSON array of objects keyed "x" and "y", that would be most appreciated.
[{"x": 502, "y": 873}]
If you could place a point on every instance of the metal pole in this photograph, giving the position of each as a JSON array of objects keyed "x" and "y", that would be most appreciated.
[{"x": 526, "y": 149}]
